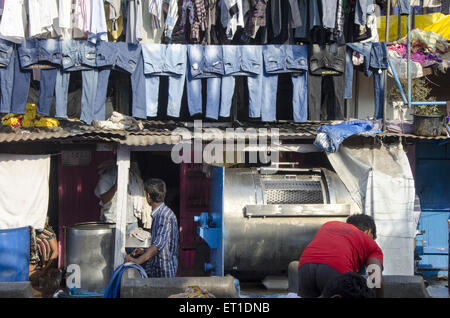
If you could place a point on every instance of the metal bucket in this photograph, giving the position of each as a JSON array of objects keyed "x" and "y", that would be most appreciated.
[
  {"x": 14, "y": 254},
  {"x": 91, "y": 247},
  {"x": 428, "y": 125}
]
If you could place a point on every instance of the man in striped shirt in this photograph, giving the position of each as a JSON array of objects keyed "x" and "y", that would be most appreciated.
[{"x": 161, "y": 258}]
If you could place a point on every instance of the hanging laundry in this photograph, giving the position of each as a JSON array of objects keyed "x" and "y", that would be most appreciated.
[
  {"x": 43, "y": 17},
  {"x": 97, "y": 30},
  {"x": 12, "y": 26},
  {"x": 134, "y": 32},
  {"x": 199, "y": 24},
  {"x": 232, "y": 16},
  {"x": 64, "y": 28},
  {"x": 114, "y": 19}
]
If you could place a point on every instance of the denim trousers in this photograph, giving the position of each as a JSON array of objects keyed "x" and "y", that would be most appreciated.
[
  {"x": 285, "y": 59},
  {"x": 77, "y": 56},
  {"x": 124, "y": 57},
  {"x": 405, "y": 8},
  {"x": 361, "y": 11},
  {"x": 45, "y": 54},
  {"x": 204, "y": 62},
  {"x": 242, "y": 60},
  {"x": 164, "y": 60},
  {"x": 7, "y": 63},
  {"x": 331, "y": 86},
  {"x": 375, "y": 62}
]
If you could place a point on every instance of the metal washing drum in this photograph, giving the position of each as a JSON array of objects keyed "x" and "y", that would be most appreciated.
[
  {"x": 260, "y": 220},
  {"x": 91, "y": 247}
]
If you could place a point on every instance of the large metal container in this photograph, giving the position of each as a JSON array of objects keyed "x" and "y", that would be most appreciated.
[
  {"x": 258, "y": 223},
  {"x": 91, "y": 247}
]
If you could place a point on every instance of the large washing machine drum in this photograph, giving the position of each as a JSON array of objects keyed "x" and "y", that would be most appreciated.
[{"x": 258, "y": 223}]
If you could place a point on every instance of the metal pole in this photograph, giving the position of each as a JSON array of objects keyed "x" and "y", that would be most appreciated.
[
  {"x": 388, "y": 16},
  {"x": 408, "y": 61},
  {"x": 123, "y": 162}
]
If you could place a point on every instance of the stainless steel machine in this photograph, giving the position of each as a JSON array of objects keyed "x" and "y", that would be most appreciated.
[{"x": 261, "y": 219}]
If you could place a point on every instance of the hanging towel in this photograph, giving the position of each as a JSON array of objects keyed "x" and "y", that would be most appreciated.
[{"x": 24, "y": 190}]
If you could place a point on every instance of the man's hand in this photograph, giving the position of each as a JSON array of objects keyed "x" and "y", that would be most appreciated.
[
  {"x": 137, "y": 252},
  {"x": 128, "y": 259}
]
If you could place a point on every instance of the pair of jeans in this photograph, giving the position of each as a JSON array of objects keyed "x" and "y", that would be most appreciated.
[
  {"x": 309, "y": 11},
  {"x": 7, "y": 63},
  {"x": 245, "y": 60},
  {"x": 164, "y": 60},
  {"x": 204, "y": 62},
  {"x": 124, "y": 57},
  {"x": 375, "y": 62},
  {"x": 405, "y": 8},
  {"x": 45, "y": 54},
  {"x": 77, "y": 56},
  {"x": 361, "y": 11},
  {"x": 317, "y": 91},
  {"x": 279, "y": 59}
]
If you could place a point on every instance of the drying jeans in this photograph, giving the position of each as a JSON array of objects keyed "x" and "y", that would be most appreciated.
[
  {"x": 375, "y": 62},
  {"x": 244, "y": 60},
  {"x": 361, "y": 11},
  {"x": 7, "y": 63},
  {"x": 45, "y": 54},
  {"x": 279, "y": 59},
  {"x": 307, "y": 10},
  {"x": 125, "y": 57},
  {"x": 329, "y": 13},
  {"x": 331, "y": 86},
  {"x": 204, "y": 62},
  {"x": 164, "y": 60},
  {"x": 77, "y": 56},
  {"x": 404, "y": 7}
]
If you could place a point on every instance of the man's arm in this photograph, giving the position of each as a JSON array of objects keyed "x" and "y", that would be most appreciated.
[
  {"x": 375, "y": 267},
  {"x": 149, "y": 253},
  {"x": 107, "y": 196}
]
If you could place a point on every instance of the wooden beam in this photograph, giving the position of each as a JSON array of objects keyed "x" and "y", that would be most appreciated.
[{"x": 123, "y": 163}]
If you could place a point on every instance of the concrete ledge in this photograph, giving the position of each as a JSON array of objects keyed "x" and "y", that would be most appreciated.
[
  {"x": 220, "y": 287},
  {"x": 16, "y": 290},
  {"x": 402, "y": 286},
  {"x": 395, "y": 286}
]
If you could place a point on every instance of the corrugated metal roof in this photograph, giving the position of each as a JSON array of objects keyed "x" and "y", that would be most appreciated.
[{"x": 171, "y": 132}]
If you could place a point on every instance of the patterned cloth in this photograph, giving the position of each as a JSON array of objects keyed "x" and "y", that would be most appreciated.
[
  {"x": 165, "y": 238},
  {"x": 194, "y": 292},
  {"x": 40, "y": 250},
  {"x": 199, "y": 21}
]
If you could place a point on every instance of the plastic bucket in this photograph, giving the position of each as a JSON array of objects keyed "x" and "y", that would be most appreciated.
[
  {"x": 428, "y": 125},
  {"x": 14, "y": 254}
]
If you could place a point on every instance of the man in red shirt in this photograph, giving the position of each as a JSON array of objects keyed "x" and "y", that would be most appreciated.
[{"x": 339, "y": 248}]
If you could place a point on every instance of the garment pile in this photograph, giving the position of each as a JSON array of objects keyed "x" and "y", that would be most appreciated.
[{"x": 427, "y": 49}]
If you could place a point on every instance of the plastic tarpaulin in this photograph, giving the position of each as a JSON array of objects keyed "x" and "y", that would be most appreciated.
[
  {"x": 435, "y": 22},
  {"x": 24, "y": 190},
  {"x": 380, "y": 181}
]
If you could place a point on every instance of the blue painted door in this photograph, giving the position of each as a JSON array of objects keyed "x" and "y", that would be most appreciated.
[{"x": 432, "y": 186}]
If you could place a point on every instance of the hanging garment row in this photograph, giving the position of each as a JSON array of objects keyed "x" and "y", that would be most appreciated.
[
  {"x": 191, "y": 21},
  {"x": 186, "y": 66}
]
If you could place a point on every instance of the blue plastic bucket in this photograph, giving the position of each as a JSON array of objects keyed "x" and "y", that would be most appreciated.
[{"x": 14, "y": 254}]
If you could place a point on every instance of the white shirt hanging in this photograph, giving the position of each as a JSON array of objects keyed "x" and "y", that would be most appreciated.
[{"x": 12, "y": 25}]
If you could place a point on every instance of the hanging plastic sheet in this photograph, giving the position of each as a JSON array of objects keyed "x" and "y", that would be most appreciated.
[
  {"x": 380, "y": 181},
  {"x": 436, "y": 22}
]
